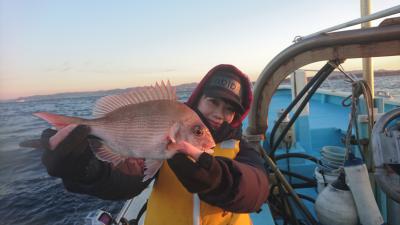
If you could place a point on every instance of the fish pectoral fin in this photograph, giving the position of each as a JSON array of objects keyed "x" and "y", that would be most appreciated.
[
  {"x": 151, "y": 166},
  {"x": 104, "y": 152},
  {"x": 132, "y": 166},
  {"x": 173, "y": 132}
]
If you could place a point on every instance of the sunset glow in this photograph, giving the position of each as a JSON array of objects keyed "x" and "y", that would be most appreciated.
[{"x": 50, "y": 47}]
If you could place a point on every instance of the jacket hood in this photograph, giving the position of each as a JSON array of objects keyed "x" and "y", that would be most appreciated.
[{"x": 247, "y": 96}]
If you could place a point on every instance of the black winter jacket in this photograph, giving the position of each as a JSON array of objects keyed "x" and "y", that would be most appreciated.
[{"x": 238, "y": 185}]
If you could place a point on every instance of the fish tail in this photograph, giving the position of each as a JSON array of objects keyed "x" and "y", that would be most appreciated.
[{"x": 58, "y": 121}]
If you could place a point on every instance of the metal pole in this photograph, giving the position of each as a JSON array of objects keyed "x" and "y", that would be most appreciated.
[
  {"x": 289, "y": 189},
  {"x": 368, "y": 71},
  {"x": 387, "y": 12}
]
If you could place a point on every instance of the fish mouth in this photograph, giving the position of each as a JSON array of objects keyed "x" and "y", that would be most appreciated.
[
  {"x": 207, "y": 147},
  {"x": 208, "y": 150}
]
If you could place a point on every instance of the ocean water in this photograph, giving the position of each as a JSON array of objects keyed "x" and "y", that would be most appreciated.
[
  {"x": 28, "y": 195},
  {"x": 390, "y": 84}
]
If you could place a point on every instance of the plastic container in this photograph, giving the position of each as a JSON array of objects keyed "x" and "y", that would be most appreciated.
[{"x": 324, "y": 179}]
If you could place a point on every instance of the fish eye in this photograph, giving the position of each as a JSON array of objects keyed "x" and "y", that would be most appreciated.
[{"x": 197, "y": 131}]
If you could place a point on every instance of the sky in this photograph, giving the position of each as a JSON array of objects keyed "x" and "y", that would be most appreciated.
[{"x": 53, "y": 46}]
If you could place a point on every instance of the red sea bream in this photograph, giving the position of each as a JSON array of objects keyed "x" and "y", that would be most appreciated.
[{"x": 139, "y": 124}]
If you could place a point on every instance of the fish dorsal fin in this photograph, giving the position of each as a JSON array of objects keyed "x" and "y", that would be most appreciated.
[{"x": 142, "y": 94}]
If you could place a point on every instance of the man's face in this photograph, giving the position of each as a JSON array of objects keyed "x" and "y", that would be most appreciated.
[{"x": 216, "y": 111}]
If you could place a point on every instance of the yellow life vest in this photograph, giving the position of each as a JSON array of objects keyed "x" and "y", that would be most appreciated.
[{"x": 171, "y": 203}]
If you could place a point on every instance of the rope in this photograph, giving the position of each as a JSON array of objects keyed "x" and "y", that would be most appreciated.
[{"x": 359, "y": 87}]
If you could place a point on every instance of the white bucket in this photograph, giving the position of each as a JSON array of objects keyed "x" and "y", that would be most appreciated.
[
  {"x": 324, "y": 180},
  {"x": 333, "y": 155}
]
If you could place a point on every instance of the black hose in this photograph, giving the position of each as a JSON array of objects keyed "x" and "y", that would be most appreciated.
[
  {"x": 306, "y": 197},
  {"x": 283, "y": 184},
  {"x": 293, "y": 103},
  {"x": 296, "y": 155},
  {"x": 326, "y": 70},
  {"x": 290, "y": 214},
  {"x": 305, "y": 185},
  {"x": 308, "y": 180}
]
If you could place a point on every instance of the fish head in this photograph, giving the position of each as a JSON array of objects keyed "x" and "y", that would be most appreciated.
[{"x": 195, "y": 132}]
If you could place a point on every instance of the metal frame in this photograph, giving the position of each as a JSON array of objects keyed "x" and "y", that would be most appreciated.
[
  {"x": 337, "y": 46},
  {"x": 360, "y": 43}
]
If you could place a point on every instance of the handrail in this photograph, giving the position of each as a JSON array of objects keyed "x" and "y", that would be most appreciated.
[
  {"x": 360, "y": 43},
  {"x": 374, "y": 16}
]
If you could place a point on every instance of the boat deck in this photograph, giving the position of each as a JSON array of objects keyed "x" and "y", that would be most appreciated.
[{"x": 324, "y": 125}]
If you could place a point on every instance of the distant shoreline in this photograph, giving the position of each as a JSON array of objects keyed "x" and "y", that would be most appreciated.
[
  {"x": 180, "y": 88},
  {"x": 358, "y": 73},
  {"x": 183, "y": 87}
]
